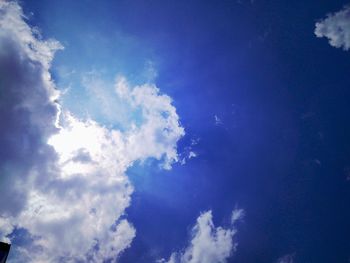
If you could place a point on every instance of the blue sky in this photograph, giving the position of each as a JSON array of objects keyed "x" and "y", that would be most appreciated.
[{"x": 206, "y": 107}]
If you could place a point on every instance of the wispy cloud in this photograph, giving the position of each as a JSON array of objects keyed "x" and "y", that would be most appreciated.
[
  {"x": 64, "y": 179},
  {"x": 209, "y": 244},
  {"x": 289, "y": 258},
  {"x": 336, "y": 27},
  {"x": 189, "y": 152},
  {"x": 218, "y": 120}
]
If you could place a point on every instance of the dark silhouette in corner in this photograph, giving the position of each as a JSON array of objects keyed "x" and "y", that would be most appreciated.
[{"x": 4, "y": 251}]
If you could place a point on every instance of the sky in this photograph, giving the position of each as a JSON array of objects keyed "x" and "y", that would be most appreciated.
[{"x": 175, "y": 131}]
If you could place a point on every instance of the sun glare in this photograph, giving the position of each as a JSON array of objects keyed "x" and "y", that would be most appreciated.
[{"x": 76, "y": 145}]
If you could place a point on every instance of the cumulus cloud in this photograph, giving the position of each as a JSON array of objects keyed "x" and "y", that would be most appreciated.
[
  {"x": 209, "y": 244},
  {"x": 336, "y": 27},
  {"x": 28, "y": 110},
  {"x": 63, "y": 179}
]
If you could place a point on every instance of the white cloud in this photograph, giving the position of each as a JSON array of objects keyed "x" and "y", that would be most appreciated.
[
  {"x": 336, "y": 27},
  {"x": 63, "y": 179},
  {"x": 209, "y": 244},
  {"x": 160, "y": 131}
]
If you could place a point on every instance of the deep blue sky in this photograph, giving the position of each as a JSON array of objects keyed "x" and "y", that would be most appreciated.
[{"x": 282, "y": 152}]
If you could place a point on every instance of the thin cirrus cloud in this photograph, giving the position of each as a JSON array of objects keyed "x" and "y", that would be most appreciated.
[
  {"x": 336, "y": 27},
  {"x": 208, "y": 244},
  {"x": 63, "y": 179}
]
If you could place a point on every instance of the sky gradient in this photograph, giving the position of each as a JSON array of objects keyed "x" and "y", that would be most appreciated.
[{"x": 175, "y": 131}]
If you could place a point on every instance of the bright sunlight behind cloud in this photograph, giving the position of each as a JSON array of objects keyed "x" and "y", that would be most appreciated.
[{"x": 65, "y": 183}]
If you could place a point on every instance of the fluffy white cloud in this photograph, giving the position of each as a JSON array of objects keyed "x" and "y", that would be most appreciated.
[
  {"x": 63, "y": 180},
  {"x": 160, "y": 129},
  {"x": 336, "y": 27},
  {"x": 209, "y": 244}
]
